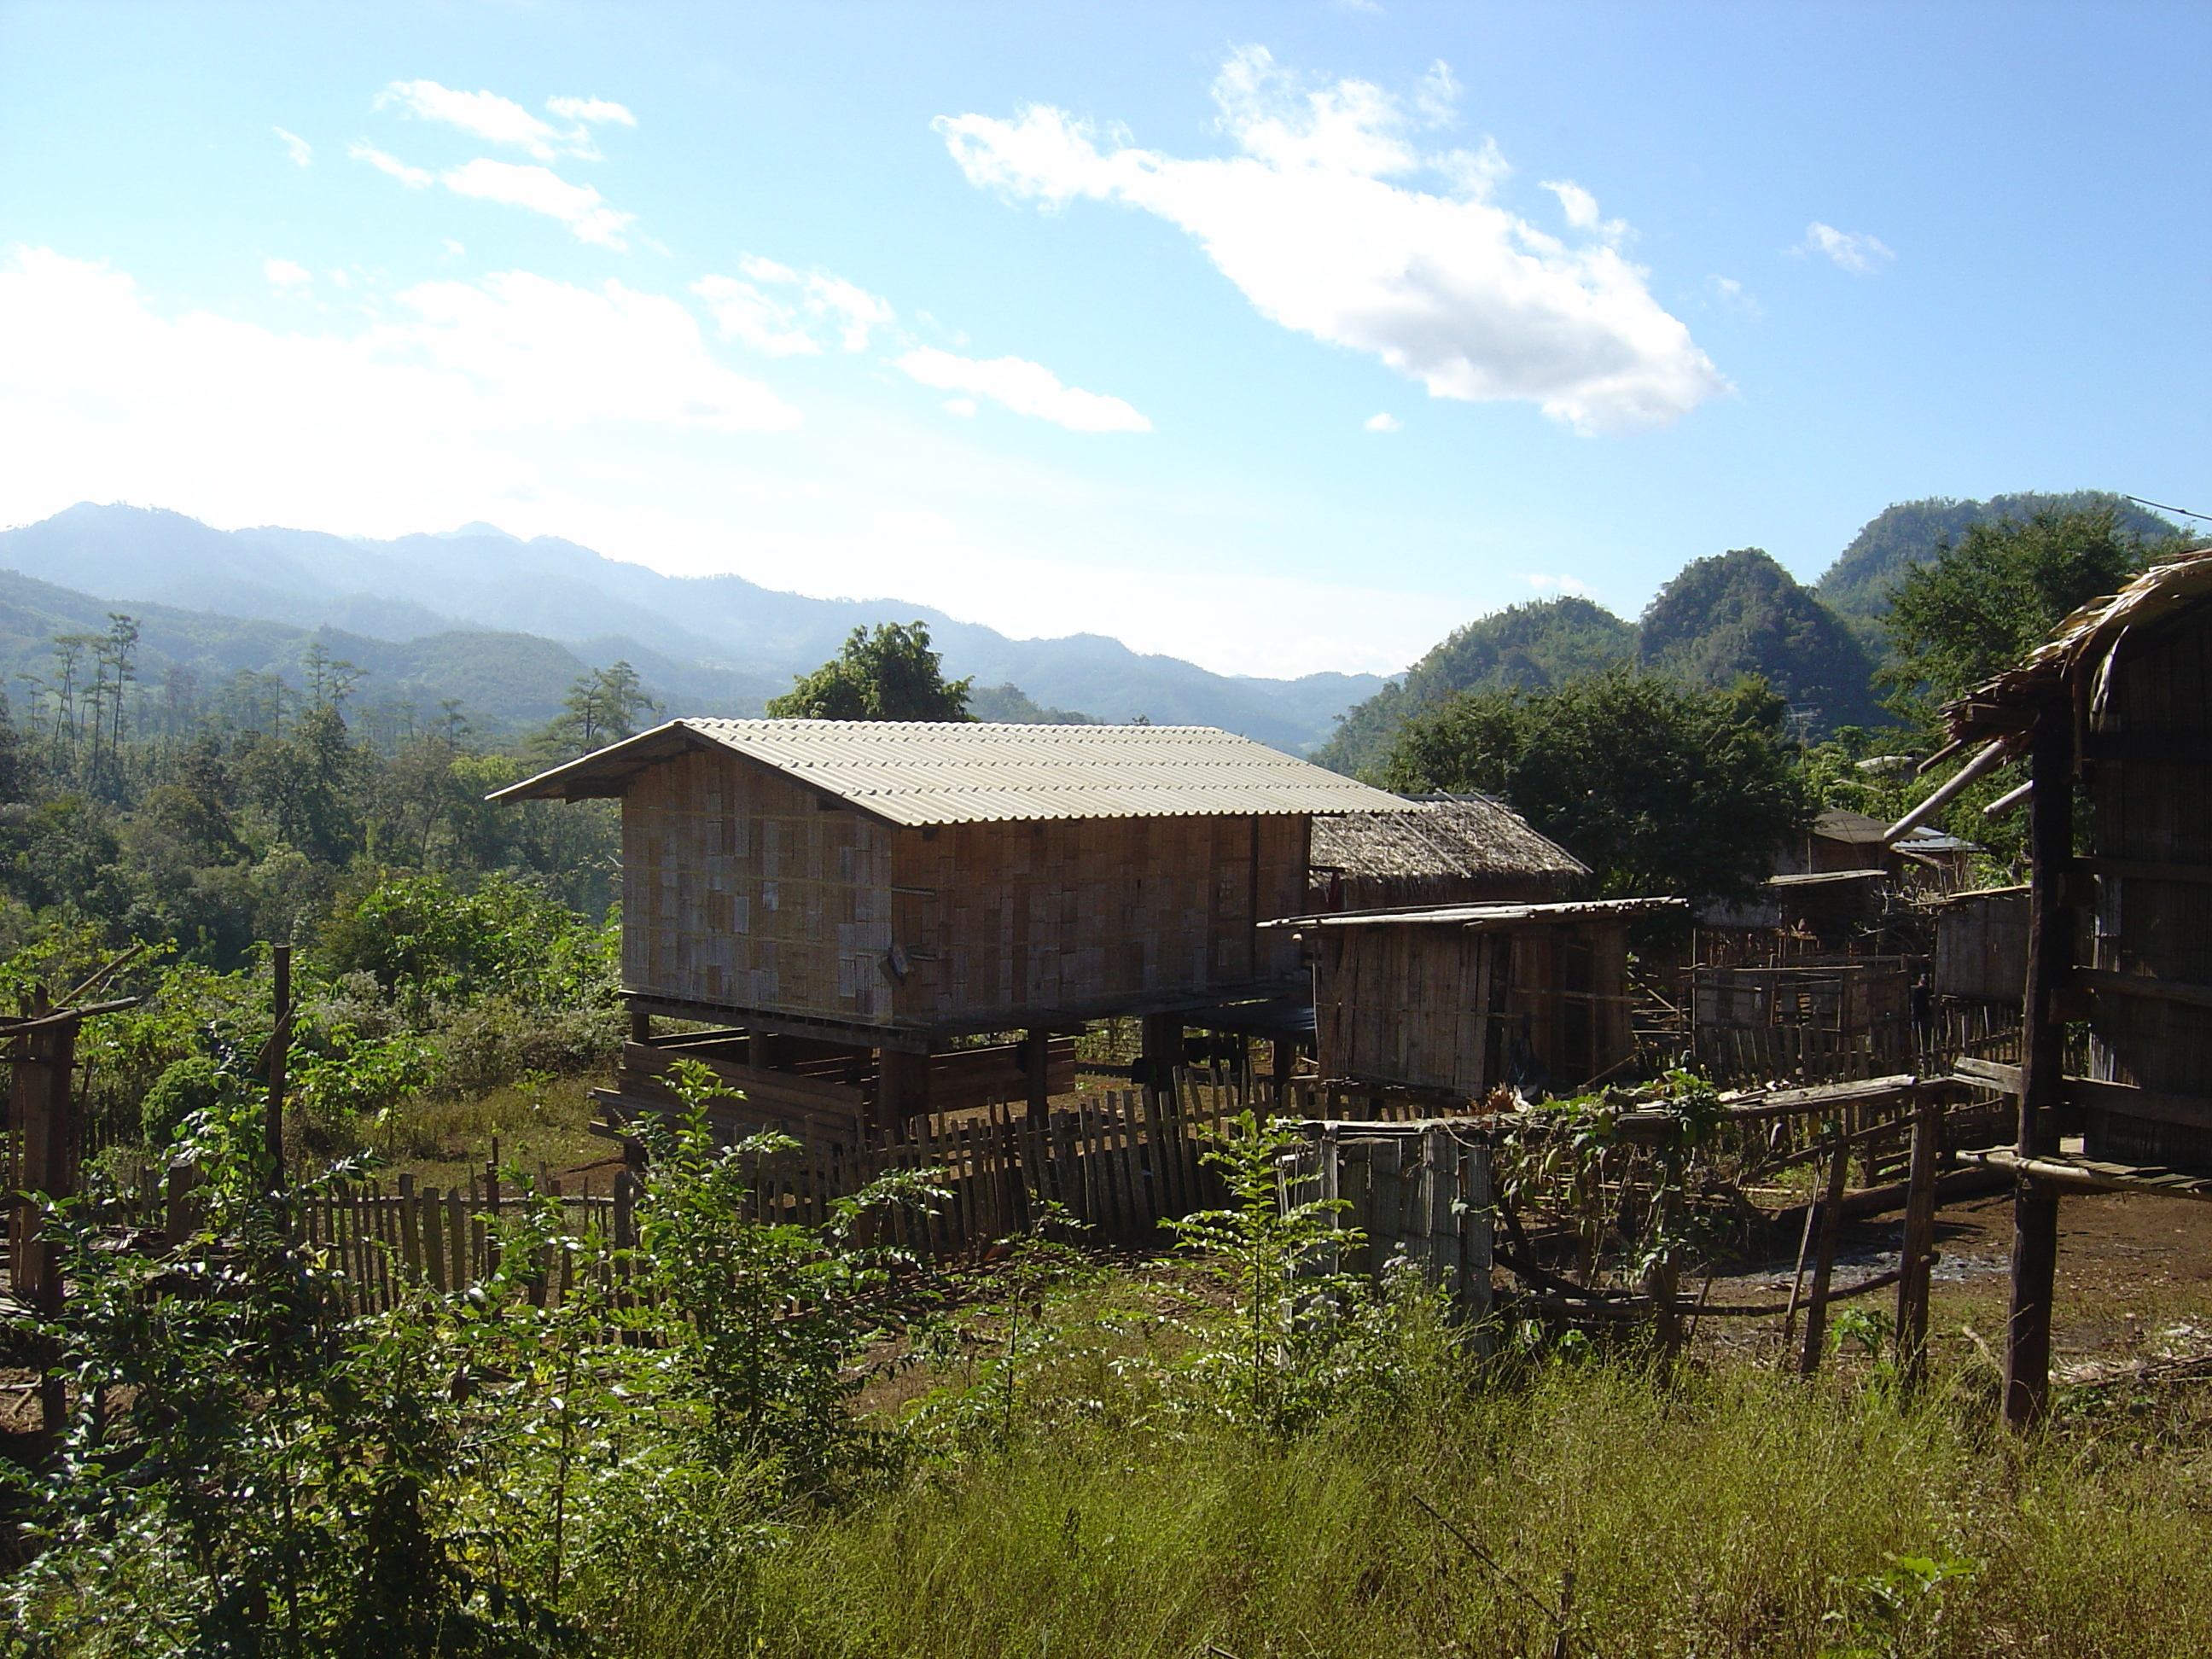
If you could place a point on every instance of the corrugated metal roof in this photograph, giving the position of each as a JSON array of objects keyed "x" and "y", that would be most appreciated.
[
  {"x": 1481, "y": 915},
  {"x": 928, "y": 773}
]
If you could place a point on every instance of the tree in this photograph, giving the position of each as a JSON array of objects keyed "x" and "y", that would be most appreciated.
[
  {"x": 1661, "y": 788},
  {"x": 890, "y": 674},
  {"x": 604, "y": 706},
  {"x": 1997, "y": 593}
]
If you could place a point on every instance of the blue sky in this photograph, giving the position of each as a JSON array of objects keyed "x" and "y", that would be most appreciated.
[{"x": 1278, "y": 336}]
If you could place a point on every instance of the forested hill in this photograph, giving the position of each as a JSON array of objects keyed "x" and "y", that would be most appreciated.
[
  {"x": 1910, "y": 533},
  {"x": 1741, "y": 613},
  {"x": 1735, "y": 614},
  {"x": 1536, "y": 644},
  {"x": 719, "y": 640}
]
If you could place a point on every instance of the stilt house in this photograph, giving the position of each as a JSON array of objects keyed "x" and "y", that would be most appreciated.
[
  {"x": 1439, "y": 850},
  {"x": 854, "y": 902},
  {"x": 2118, "y": 704},
  {"x": 1459, "y": 998}
]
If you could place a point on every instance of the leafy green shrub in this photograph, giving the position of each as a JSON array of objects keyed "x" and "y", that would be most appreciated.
[{"x": 188, "y": 1086}]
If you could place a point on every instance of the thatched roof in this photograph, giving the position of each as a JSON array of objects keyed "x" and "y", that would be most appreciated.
[
  {"x": 1439, "y": 836},
  {"x": 2081, "y": 645}
]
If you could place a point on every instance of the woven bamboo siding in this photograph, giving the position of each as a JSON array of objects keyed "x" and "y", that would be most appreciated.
[
  {"x": 1463, "y": 1009},
  {"x": 1981, "y": 946},
  {"x": 2151, "y": 786},
  {"x": 998, "y": 921},
  {"x": 740, "y": 890}
]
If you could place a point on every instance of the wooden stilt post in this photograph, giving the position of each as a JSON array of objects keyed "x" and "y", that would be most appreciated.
[
  {"x": 640, "y": 1023},
  {"x": 2051, "y": 925},
  {"x": 1918, "y": 1256},
  {"x": 1162, "y": 1052}
]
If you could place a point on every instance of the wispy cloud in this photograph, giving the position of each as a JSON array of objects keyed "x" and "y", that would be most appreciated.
[
  {"x": 541, "y": 190},
  {"x": 818, "y": 305},
  {"x": 302, "y": 152},
  {"x": 1550, "y": 584},
  {"x": 1025, "y": 387},
  {"x": 1580, "y": 208},
  {"x": 591, "y": 111},
  {"x": 1384, "y": 422},
  {"x": 1860, "y": 255},
  {"x": 413, "y": 178},
  {"x": 1312, "y": 219},
  {"x": 498, "y": 120},
  {"x": 283, "y": 273},
  {"x": 1733, "y": 294}
]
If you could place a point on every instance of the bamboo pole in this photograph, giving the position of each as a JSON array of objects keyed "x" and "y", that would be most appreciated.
[{"x": 1831, "y": 1222}]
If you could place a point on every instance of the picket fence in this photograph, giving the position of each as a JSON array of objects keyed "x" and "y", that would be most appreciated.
[{"x": 1118, "y": 1164}]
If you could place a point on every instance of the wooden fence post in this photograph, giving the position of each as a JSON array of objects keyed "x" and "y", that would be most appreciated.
[
  {"x": 1918, "y": 1256},
  {"x": 1832, "y": 1223}
]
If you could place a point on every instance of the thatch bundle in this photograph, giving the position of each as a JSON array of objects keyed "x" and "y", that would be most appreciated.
[{"x": 1442, "y": 849}]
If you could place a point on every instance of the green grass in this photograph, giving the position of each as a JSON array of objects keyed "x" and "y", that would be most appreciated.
[{"x": 1729, "y": 1514}]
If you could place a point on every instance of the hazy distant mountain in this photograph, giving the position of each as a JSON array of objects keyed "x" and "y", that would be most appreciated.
[
  {"x": 1909, "y": 533},
  {"x": 1741, "y": 613},
  {"x": 703, "y": 635}
]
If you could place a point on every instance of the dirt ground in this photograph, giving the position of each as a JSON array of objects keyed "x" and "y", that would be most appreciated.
[{"x": 2135, "y": 1280}]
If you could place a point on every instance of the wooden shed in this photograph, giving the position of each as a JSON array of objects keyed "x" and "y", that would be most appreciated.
[
  {"x": 2117, "y": 704},
  {"x": 854, "y": 898},
  {"x": 1460, "y": 998},
  {"x": 1440, "y": 849}
]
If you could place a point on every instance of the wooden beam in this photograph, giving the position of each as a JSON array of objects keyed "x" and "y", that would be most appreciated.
[
  {"x": 2144, "y": 986},
  {"x": 2144, "y": 870},
  {"x": 2091, "y": 1175}
]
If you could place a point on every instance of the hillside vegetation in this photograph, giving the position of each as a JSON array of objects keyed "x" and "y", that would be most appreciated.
[
  {"x": 1738, "y": 613},
  {"x": 1912, "y": 533}
]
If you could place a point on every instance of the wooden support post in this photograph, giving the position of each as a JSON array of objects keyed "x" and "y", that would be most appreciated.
[
  {"x": 1917, "y": 1257},
  {"x": 2051, "y": 926},
  {"x": 1824, "y": 1265},
  {"x": 1036, "y": 1059},
  {"x": 1162, "y": 1051},
  {"x": 1286, "y": 1060},
  {"x": 641, "y": 1023}
]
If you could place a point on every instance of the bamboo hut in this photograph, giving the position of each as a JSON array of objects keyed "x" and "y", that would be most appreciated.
[
  {"x": 1458, "y": 999},
  {"x": 1439, "y": 850},
  {"x": 852, "y": 903},
  {"x": 2119, "y": 938}
]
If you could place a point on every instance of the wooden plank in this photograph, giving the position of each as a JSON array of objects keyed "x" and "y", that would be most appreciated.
[{"x": 2143, "y": 985}]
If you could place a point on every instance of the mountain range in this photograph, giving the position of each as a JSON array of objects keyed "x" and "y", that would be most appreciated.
[{"x": 506, "y": 624}]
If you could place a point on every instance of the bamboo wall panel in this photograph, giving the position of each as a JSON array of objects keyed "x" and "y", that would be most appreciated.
[
  {"x": 998, "y": 921},
  {"x": 1462, "y": 1011},
  {"x": 2151, "y": 790},
  {"x": 1981, "y": 947},
  {"x": 739, "y": 891}
]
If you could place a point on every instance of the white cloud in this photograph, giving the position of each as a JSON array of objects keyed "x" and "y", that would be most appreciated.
[
  {"x": 1309, "y": 220},
  {"x": 302, "y": 152},
  {"x": 591, "y": 110},
  {"x": 1860, "y": 255},
  {"x": 282, "y": 273},
  {"x": 1543, "y": 583},
  {"x": 484, "y": 114},
  {"x": 1384, "y": 422},
  {"x": 447, "y": 396},
  {"x": 785, "y": 328},
  {"x": 541, "y": 190},
  {"x": 500, "y": 120},
  {"x": 960, "y": 406},
  {"x": 413, "y": 178},
  {"x": 915, "y": 524},
  {"x": 1025, "y": 387},
  {"x": 1581, "y": 210}
]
